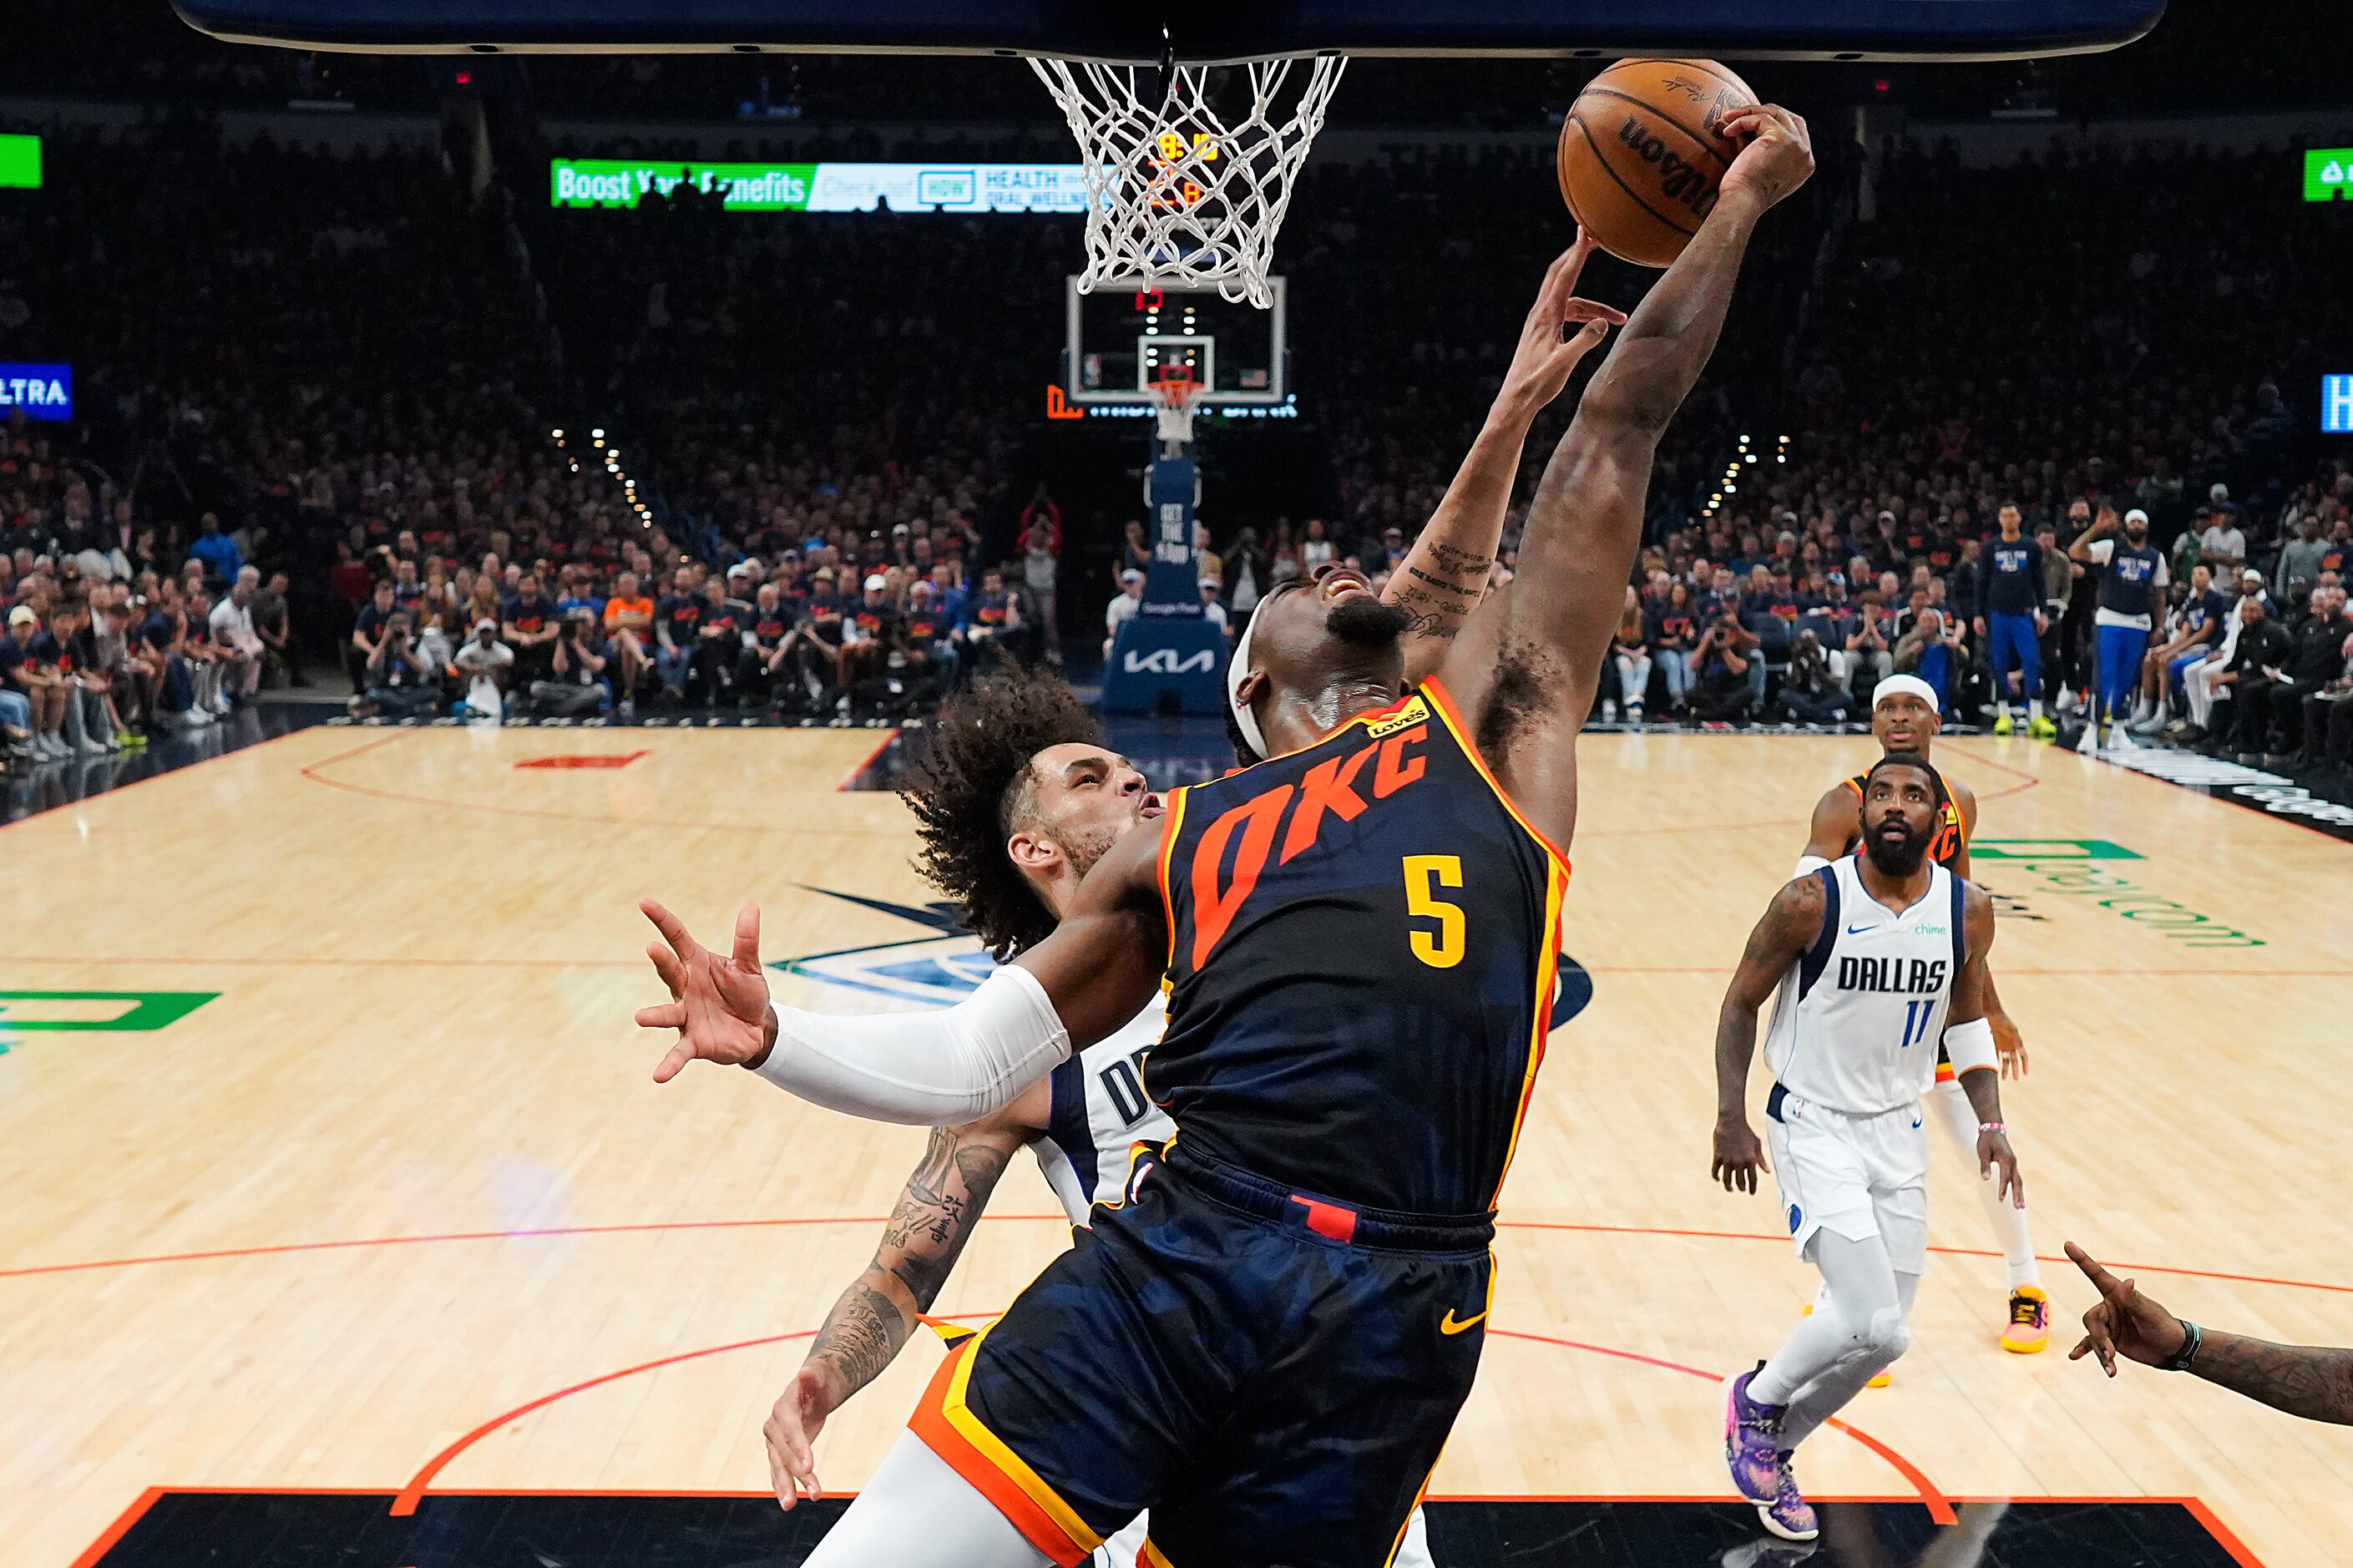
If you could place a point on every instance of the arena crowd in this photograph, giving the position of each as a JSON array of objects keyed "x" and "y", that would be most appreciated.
[{"x": 833, "y": 513}]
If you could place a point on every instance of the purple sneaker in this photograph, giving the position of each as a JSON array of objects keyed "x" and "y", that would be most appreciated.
[
  {"x": 1752, "y": 1441},
  {"x": 1788, "y": 1515}
]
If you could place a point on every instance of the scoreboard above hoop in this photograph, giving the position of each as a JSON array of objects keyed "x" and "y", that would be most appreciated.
[{"x": 1211, "y": 34}]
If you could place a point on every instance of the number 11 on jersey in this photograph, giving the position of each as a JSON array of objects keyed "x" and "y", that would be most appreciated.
[{"x": 1916, "y": 1014}]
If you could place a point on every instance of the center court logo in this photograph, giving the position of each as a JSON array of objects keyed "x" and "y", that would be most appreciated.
[
  {"x": 2086, "y": 867},
  {"x": 944, "y": 968}
]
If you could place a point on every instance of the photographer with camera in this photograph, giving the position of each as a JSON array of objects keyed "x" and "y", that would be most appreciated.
[
  {"x": 577, "y": 689},
  {"x": 400, "y": 683},
  {"x": 1723, "y": 693},
  {"x": 1809, "y": 694}
]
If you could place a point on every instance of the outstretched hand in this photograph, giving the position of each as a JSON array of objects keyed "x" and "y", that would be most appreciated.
[
  {"x": 2126, "y": 1322},
  {"x": 1776, "y": 152},
  {"x": 719, "y": 1005},
  {"x": 1548, "y": 349}
]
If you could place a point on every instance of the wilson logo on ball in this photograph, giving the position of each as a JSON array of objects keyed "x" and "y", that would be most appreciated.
[{"x": 1679, "y": 180}]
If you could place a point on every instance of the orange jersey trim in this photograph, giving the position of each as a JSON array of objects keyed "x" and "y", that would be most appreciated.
[
  {"x": 946, "y": 1426},
  {"x": 1442, "y": 704},
  {"x": 1548, "y": 974},
  {"x": 1172, "y": 824}
]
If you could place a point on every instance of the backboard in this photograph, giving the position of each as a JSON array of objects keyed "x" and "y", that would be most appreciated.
[
  {"x": 1125, "y": 335},
  {"x": 1203, "y": 32}
]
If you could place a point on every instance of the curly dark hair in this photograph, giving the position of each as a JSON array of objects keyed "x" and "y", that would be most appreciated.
[{"x": 968, "y": 795}]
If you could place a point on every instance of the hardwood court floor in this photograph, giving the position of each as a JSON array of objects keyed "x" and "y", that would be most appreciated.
[{"x": 351, "y": 1222}]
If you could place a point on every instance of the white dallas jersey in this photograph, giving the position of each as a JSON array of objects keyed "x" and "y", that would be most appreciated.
[
  {"x": 1858, "y": 1019},
  {"x": 1100, "y": 1109}
]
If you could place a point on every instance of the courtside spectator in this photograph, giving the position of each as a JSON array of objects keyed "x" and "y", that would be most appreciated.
[{"x": 485, "y": 665}]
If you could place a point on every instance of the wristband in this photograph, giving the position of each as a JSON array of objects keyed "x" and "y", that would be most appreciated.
[
  {"x": 1970, "y": 1046},
  {"x": 2193, "y": 1337},
  {"x": 1988, "y": 1126}
]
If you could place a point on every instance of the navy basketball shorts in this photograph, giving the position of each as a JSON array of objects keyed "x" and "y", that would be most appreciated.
[{"x": 1271, "y": 1372}]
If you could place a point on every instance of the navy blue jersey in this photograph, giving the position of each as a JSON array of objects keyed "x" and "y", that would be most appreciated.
[
  {"x": 1362, "y": 944},
  {"x": 2129, "y": 579},
  {"x": 2206, "y": 610},
  {"x": 2010, "y": 577}
]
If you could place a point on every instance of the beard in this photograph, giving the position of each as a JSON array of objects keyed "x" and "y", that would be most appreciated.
[
  {"x": 1365, "y": 622},
  {"x": 1901, "y": 858},
  {"x": 1083, "y": 846}
]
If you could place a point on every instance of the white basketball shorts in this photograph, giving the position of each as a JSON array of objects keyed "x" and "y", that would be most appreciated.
[{"x": 1859, "y": 1176}]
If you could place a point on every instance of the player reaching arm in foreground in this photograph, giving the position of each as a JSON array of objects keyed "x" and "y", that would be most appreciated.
[
  {"x": 1408, "y": 844},
  {"x": 1874, "y": 957},
  {"x": 2310, "y": 1381}
]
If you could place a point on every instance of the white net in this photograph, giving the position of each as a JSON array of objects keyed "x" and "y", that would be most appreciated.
[{"x": 1190, "y": 168}]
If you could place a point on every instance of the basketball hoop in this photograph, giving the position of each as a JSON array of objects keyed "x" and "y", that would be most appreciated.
[
  {"x": 1180, "y": 191},
  {"x": 1175, "y": 391}
]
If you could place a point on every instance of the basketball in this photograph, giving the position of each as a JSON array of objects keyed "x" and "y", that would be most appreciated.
[{"x": 1640, "y": 154}]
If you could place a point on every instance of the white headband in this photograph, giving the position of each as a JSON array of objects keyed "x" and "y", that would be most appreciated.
[
  {"x": 1236, "y": 668},
  {"x": 1904, "y": 686}
]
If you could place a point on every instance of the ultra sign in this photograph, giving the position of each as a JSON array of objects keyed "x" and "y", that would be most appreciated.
[{"x": 42, "y": 391}]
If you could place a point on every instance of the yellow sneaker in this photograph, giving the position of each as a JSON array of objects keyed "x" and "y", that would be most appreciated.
[
  {"x": 2042, "y": 728},
  {"x": 2001, "y": 725},
  {"x": 2028, "y": 1330}
]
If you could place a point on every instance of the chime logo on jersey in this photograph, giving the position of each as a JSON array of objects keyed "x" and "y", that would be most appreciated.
[{"x": 942, "y": 969}]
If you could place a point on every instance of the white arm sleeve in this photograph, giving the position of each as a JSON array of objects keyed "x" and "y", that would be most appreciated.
[
  {"x": 927, "y": 1069},
  {"x": 1970, "y": 1046},
  {"x": 1808, "y": 865}
]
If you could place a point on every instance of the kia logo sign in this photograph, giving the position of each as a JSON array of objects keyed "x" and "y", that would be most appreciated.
[{"x": 1164, "y": 661}]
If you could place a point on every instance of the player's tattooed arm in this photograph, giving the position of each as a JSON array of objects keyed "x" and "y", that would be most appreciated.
[
  {"x": 1439, "y": 585},
  {"x": 1792, "y": 923},
  {"x": 934, "y": 1218},
  {"x": 935, "y": 1213},
  {"x": 2311, "y": 1381},
  {"x": 2302, "y": 1380}
]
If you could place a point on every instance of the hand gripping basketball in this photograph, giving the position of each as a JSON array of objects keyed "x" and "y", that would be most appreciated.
[
  {"x": 718, "y": 1005},
  {"x": 1777, "y": 152}
]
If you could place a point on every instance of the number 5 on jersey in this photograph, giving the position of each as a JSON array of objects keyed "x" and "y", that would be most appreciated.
[{"x": 1424, "y": 874}]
